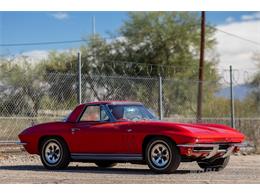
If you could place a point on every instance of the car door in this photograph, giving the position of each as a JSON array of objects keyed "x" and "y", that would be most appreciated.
[
  {"x": 134, "y": 135},
  {"x": 127, "y": 136},
  {"x": 95, "y": 133},
  {"x": 127, "y": 128}
]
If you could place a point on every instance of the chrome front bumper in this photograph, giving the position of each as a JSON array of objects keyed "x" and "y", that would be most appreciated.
[{"x": 213, "y": 149}]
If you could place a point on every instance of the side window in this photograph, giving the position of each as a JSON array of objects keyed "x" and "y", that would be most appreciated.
[{"x": 94, "y": 113}]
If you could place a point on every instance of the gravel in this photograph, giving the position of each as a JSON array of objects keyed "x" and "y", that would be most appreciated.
[{"x": 20, "y": 167}]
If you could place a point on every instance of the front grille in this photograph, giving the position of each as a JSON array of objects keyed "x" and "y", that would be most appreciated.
[
  {"x": 202, "y": 148},
  {"x": 223, "y": 146}
]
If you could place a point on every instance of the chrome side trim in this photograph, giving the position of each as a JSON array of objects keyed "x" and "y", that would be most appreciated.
[{"x": 116, "y": 157}]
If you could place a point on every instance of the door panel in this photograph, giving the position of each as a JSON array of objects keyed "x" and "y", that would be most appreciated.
[
  {"x": 104, "y": 137},
  {"x": 128, "y": 136},
  {"x": 96, "y": 137}
]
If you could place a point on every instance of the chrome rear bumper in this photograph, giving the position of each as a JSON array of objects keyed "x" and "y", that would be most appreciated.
[
  {"x": 213, "y": 149},
  {"x": 12, "y": 143},
  {"x": 21, "y": 143}
]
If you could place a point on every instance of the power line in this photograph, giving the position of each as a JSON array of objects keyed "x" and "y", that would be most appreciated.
[
  {"x": 41, "y": 43},
  {"x": 51, "y": 42},
  {"x": 81, "y": 40},
  {"x": 234, "y": 35}
]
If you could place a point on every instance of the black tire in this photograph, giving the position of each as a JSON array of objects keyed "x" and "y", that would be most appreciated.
[
  {"x": 216, "y": 165},
  {"x": 105, "y": 164},
  {"x": 151, "y": 156},
  {"x": 60, "y": 159}
]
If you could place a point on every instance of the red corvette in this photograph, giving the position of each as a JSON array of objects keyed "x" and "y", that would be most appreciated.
[{"x": 109, "y": 132}]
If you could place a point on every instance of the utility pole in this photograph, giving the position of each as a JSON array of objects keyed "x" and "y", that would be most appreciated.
[
  {"x": 94, "y": 37},
  {"x": 232, "y": 106},
  {"x": 201, "y": 68},
  {"x": 79, "y": 79},
  {"x": 160, "y": 99}
]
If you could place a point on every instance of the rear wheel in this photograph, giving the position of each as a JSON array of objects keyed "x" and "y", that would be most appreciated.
[
  {"x": 105, "y": 164},
  {"x": 215, "y": 165},
  {"x": 54, "y": 153},
  {"x": 162, "y": 156}
]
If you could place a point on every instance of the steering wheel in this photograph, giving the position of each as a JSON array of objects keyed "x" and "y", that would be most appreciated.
[{"x": 135, "y": 118}]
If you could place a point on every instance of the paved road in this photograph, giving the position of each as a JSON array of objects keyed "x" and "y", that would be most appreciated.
[{"x": 25, "y": 168}]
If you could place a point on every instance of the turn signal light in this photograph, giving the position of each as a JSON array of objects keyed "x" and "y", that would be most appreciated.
[
  {"x": 236, "y": 149},
  {"x": 189, "y": 152}
]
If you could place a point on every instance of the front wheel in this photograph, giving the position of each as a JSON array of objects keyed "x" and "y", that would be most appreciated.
[
  {"x": 162, "y": 156},
  {"x": 54, "y": 153},
  {"x": 215, "y": 165}
]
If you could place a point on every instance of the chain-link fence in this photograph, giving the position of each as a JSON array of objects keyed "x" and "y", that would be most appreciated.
[{"x": 52, "y": 96}]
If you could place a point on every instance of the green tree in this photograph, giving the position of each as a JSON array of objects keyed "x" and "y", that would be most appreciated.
[
  {"x": 22, "y": 86},
  {"x": 60, "y": 69},
  {"x": 167, "y": 38},
  {"x": 255, "y": 84},
  {"x": 165, "y": 43},
  {"x": 157, "y": 43},
  {"x": 172, "y": 40}
]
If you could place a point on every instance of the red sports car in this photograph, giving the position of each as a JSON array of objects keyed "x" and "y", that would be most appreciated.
[{"x": 110, "y": 132}]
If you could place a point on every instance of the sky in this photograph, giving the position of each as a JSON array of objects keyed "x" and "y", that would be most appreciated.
[
  {"x": 23, "y": 27},
  {"x": 20, "y": 27}
]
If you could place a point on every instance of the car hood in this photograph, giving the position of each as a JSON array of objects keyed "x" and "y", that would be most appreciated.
[{"x": 204, "y": 132}]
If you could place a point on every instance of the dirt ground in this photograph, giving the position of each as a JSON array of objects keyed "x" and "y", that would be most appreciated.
[{"x": 19, "y": 167}]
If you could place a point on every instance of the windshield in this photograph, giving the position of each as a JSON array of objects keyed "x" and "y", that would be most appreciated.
[{"x": 131, "y": 112}]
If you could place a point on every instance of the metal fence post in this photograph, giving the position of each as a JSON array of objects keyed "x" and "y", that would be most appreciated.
[
  {"x": 160, "y": 99},
  {"x": 232, "y": 108},
  {"x": 79, "y": 79}
]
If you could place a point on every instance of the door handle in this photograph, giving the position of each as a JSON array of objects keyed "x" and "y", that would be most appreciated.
[
  {"x": 73, "y": 130},
  {"x": 129, "y": 130}
]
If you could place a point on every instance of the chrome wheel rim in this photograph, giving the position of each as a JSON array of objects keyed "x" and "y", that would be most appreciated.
[
  {"x": 160, "y": 155},
  {"x": 52, "y": 152}
]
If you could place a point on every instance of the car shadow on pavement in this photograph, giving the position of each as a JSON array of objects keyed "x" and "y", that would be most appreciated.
[{"x": 90, "y": 169}]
